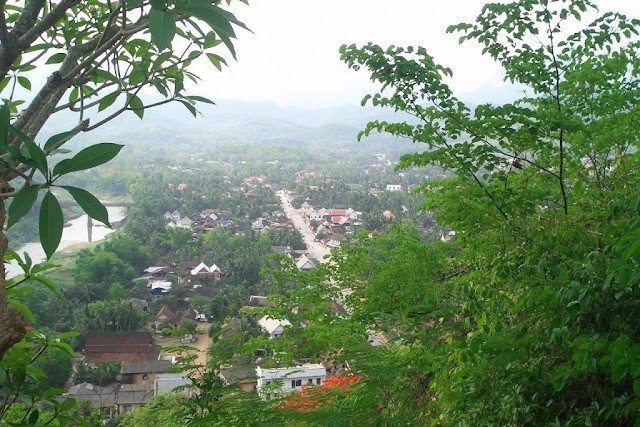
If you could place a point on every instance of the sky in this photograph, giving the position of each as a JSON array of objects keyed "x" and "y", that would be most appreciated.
[{"x": 292, "y": 59}]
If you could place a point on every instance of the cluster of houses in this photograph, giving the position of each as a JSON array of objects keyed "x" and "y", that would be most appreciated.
[
  {"x": 276, "y": 220},
  {"x": 187, "y": 274},
  {"x": 208, "y": 219},
  {"x": 331, "y": 225},
  {"x": 142, "y": 376}
]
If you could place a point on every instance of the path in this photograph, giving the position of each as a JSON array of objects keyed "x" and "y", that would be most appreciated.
[{"x": 316, "y": 249}]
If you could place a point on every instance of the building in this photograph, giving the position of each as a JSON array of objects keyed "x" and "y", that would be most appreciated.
[
  {"x": 273, "y": 327},
  {"x": 141, "y": 372},
  {"x": 288, "y": 380},
  {"x": 259, "y": 300},
  {"x": 394, "y": 187},
  {"x": 203, "y": 270},
  {"x": 102, "y": 347},
  {"x": 159, "y": 288},
  {"x": 166, "y": 316},
  {"x": 245, "y": 379},
  {"x": 448, "y": 236},
  {"x": 166, "y": 383},
  {"x": 304, "y": 263}
]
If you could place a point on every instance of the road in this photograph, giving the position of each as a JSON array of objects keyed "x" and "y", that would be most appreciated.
[{"x": 316, "y": 249}]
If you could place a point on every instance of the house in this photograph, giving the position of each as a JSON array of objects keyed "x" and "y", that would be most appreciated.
[
  {"x": 132, "y": 396},
  {"x": 273, "y": 327},
  {"x": 209, "y": 214},
  {"x": 172, "y": 216},
  {"x": 258, "y": 224},
  {"x": 159, "y": 288},
  {"x": 156, "y": 271},
  {"x": 166, "y": 383},
  {"x": 166, "y": 316},
  {"x": 102, "y": 347},
  {"x": 100, "y": 398},
  {"x": 182, "y": 186},
  {"x": 203, "y": 269},
  {"x": 304, "y": 263},
  {"x": 245, "y": 379},
  {"x": 316, "y": 216},
  {"x": 283, "y": 250},
  {"x": 139, "y": 372},
  {"x": 334, "y": 240},
  {"x": 288, "y": 380},
  {"x": 163, "y": 317},
  {"x": 394, "y": 187}
]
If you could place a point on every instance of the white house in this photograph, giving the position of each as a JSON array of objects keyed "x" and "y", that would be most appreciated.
[
  {"x": 316, "y": 216},
  {"x": 304, "y": 263},
  {"x": 394, "y": 187},
  {"x": 204, "y": 269},
  {"x": 273, "y": 327},
  {"x": 288, "y": 380}
]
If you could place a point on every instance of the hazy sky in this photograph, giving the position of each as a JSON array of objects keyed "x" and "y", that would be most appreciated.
[{"x": 292, "y": 58}]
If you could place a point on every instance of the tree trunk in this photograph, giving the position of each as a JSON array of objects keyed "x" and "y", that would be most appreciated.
[{"x": 13, "y": 325}]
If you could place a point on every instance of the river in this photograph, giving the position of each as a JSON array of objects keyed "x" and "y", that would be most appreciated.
[{"x": 75, "y": 232}]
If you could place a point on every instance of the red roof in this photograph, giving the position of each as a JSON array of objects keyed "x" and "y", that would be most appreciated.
[
  {"x": 340, "y": 220},
  {"x": 338, "y": 212}
]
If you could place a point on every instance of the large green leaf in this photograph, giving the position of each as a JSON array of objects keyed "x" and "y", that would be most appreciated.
[
  {"x": 136, "y": 105},
  {"x": 162, "y": 26},
  {"x": 38, "y": 157},
  {"x": 88, "y": 158},
  {"x": 51, "y": 224},
  {"x": 57, "y": 140},
  {"x": 107, "y": 100},
  {"x": 90, "y": 204},
  {"x": 22, "y": 203}
]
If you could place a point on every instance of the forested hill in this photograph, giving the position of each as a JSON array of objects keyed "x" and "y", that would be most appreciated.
[{"x": 233, "y": 121}]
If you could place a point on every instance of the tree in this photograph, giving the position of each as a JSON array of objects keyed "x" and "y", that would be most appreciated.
[
  {"x": 99, "y": 56},
  {"x": 57, "y": 365}
]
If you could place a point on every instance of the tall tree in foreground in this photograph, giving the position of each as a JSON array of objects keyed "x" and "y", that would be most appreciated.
[
  {"x": 532, "y": 316},
  {"x": 101, "y": 56}
]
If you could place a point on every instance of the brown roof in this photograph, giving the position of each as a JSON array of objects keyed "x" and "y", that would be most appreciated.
[
  {"x": 166, "y": 312},
  {"x": 104, "y": 347},
  {"x": 186, "y": 314}
]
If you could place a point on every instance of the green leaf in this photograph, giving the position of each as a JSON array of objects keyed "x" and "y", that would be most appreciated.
[
  {"x": 22, "y": 203},
  {"x": 24, "y": 310},
  {"x": 51, "y": 224},
  {"x": 201, "y": 99},
  {"x": 57, "y": 140},
  {"x": 136, "y": 105},
  {"x": 107, "y": 100},
  {"x": 216, "y": 60},
  {"x": 47, "y": 281},
  {"x": 24, "y": 82},
  {"x": 189, "y": 107},
  {"x": 56, "y": 58},
  {"x": 162, "y": 26},
  {"x": 33, "y": 417},
  {"x": 88, "y": 158},
  {"x": 90, "y": 204},
  {"x": 38, "y": 157}
]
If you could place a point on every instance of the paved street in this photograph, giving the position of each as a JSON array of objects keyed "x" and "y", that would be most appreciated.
[{"x": 316, "y": 249}]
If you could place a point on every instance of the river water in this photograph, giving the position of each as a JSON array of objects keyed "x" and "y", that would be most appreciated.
[{"x": 75, "y": 232}]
